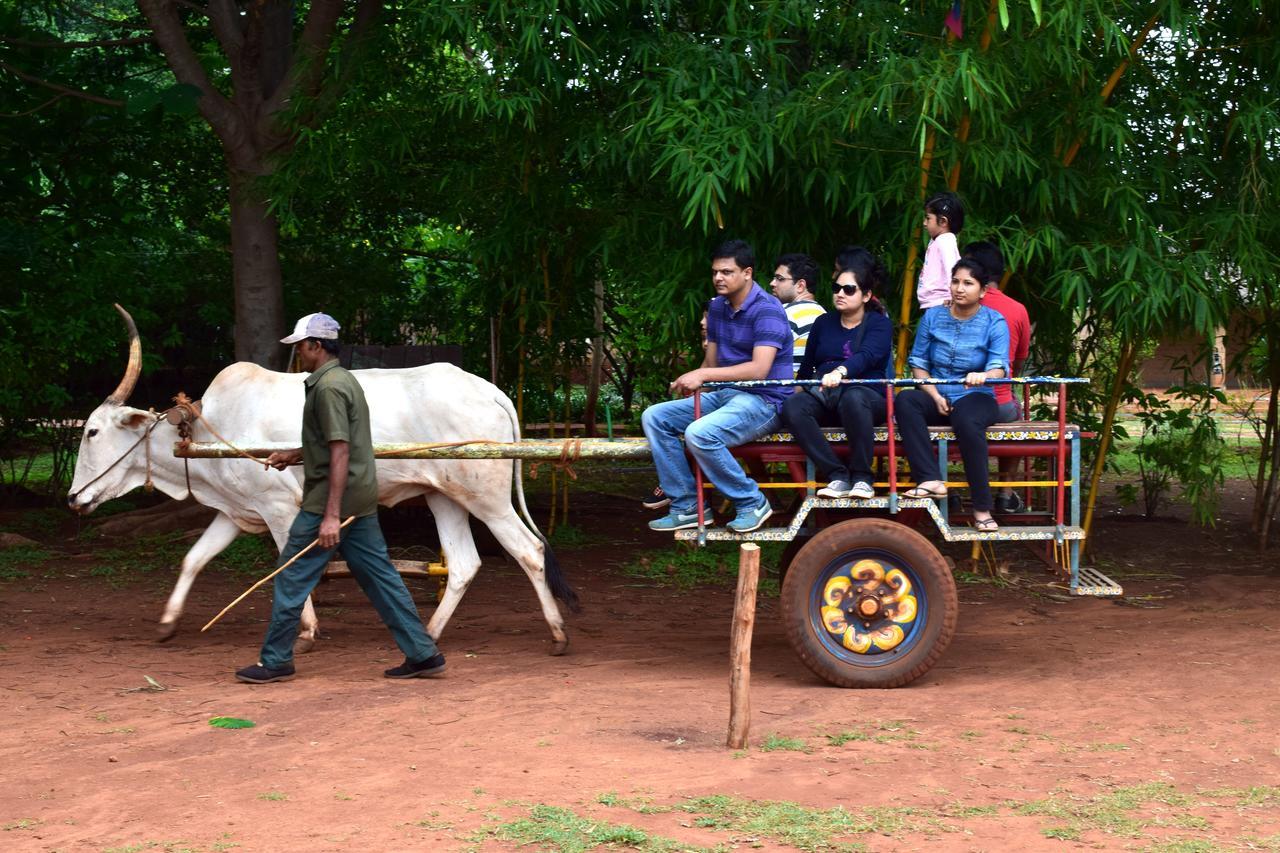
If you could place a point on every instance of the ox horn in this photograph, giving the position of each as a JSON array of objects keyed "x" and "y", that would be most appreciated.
[{"x": 134, "y": 367}]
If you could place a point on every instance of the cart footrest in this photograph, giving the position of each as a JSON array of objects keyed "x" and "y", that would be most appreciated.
[
  {"x": 1093, "y": 582},
  {"x": 1011, "y": 533}
]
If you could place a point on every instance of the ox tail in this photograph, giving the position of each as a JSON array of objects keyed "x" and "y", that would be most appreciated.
[{"x": 551, "y": 566}]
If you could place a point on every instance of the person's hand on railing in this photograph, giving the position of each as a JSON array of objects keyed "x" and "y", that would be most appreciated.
[
  {"x": 832, "y": 379},
  {"x": 977, "y": 377},
  {"x": 686, "y": 383}
]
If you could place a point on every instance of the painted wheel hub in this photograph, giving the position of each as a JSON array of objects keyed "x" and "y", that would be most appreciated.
[{"x": 869, "y": 607}]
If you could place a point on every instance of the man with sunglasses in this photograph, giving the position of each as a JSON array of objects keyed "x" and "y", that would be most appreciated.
[{"x": 748, "y": 338}]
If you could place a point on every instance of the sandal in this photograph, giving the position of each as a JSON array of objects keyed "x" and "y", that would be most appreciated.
[
  {"x": 986, "y": 525},
  {"x": 921, "y": 492}
]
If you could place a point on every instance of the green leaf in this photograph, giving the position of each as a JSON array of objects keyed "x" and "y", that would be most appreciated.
[
  {"x": 231, "y": 723},
  {"x": 1035, "y": 10},
  {"x": 1004, "y": 14},
  {"x": 180, "y": 98}
]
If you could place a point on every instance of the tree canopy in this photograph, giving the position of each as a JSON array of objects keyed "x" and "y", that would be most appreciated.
[{"x": 480, "y": 171}]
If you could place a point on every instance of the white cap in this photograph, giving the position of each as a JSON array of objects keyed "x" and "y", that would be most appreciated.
[{"x": 313, "y": 326}]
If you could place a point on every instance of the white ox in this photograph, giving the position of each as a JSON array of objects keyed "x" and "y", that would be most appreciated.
[{"x": 247, "y": 404}]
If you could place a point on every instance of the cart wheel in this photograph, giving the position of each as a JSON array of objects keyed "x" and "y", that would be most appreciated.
[{"x": 869, "y": 603}]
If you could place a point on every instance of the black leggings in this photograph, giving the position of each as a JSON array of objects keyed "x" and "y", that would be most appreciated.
[
  {"x": 857, "y": 408},
  {"x": 915, "y": 411}
]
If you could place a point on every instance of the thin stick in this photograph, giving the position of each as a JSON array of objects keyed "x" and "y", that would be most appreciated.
[
  {"x": 744, "y": 619},
  {"x": 292, "y": 560}
]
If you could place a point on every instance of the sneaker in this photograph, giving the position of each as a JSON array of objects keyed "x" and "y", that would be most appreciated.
[
  {"x": 429, "y": 668},
  {"x": 835, "y": 489},
  {"x": 862, "y": 490},
  {"x": 1011, "y": 502},
  {"x": 680, "y": 520},
  {"x": 748, "y": 520},
  {"x": 657, "y": 499},
  {"x": 259, "y": 674}
]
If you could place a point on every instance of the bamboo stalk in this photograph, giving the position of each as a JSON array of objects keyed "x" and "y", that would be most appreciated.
[
  {"x": 1114, "y": 80},
  {"x": 292, "y": 560},
  {"x": 744, "y": 620},
  {"x": 528, "y": 448},
  {"x": 1127, "y": 353}
]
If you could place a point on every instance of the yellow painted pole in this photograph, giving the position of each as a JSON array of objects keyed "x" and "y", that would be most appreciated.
[{"x": 1127, "y": 354}]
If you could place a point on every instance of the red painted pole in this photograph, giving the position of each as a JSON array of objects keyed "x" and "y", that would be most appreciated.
[
  {"x": 893, "y": 446},
  {"x": 697, "y": 471},
  {"x": 1062, "y": 452}
]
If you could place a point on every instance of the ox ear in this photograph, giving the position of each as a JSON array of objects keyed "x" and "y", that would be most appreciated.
[{"x": 133, "y": 419}]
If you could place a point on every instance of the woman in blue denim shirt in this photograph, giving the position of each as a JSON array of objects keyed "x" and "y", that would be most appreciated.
[{"x": 969, "y": 343}]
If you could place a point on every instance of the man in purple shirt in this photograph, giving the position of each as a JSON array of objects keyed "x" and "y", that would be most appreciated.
[{"x": 748, "y": 338}]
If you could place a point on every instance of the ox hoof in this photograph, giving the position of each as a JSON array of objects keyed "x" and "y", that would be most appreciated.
[
  {"x": 166, "y": 631},
  {"x": 304, "y": 645},
  {"x": 559, "y": 647}
]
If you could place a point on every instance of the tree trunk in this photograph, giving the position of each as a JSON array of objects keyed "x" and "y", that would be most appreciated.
[
  {"x": 255, "y": 260},
  {"x": 597, "y": 361}
]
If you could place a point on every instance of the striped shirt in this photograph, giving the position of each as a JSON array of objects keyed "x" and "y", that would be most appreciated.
[
  {"x": 760, "y": 322},
  {"x": 800, "y": 315}
]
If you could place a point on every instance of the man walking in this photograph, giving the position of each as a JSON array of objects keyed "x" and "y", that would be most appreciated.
[
  {"x": 340, "y": 482},
  {"x": 747, "y": 338}
]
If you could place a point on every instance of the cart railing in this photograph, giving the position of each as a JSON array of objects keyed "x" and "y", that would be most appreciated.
[{"x": 889, "y": 384}]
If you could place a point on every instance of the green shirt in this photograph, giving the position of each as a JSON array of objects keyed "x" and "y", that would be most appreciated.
[{"x": 335, "y": 410}]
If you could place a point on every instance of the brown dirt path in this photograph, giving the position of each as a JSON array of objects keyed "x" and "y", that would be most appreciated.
[{"x": 1077, "y": 701}]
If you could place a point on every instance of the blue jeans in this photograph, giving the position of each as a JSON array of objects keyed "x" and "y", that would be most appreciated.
[
  {"x": 365, "y": 551},
  {"x": 729, "y": 418}
]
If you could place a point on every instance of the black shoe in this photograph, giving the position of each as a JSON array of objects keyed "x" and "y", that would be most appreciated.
[
  {"x": 429, "y": 668},
  {"x": 954, "y": 504},
  {"x": 259, "y": 674},
  {"x": 657, "y": 499},
  {"x": 1009, "y": 503}
]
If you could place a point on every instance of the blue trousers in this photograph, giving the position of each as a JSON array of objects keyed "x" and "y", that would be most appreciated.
[
  {"x": 730, "y": 417},
  {"x": 365, "y": 551}
]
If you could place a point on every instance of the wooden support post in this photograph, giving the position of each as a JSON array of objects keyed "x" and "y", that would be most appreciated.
[{"x": 744, "y": 622}]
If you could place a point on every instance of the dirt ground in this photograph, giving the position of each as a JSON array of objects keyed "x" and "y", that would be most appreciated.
[{"x": 1051, "y": 722}]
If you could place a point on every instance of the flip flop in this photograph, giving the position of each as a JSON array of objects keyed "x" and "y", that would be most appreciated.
[
  {"x": 918, "y": 492},
  {"x": 986, "y": 525}
]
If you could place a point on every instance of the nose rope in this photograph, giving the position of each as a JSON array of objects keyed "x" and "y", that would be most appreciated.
[{"x": 146, "y": 435}]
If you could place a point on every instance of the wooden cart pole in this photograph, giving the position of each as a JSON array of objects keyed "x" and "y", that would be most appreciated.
[{"x": 744, "y": 622}]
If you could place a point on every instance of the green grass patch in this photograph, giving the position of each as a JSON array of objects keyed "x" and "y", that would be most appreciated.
[
  {"x": 148, "y": 554},
  {"x": 886, "y": 732},
  {"x": 20, "y": 561},
  {"x": 572, "y": 536},
  {"x": 802, "y": 827},
  {"x": 563, "y": 830},
  {"x": 685, "y": 566},
  {"x": 1183, "y": 845},
  {"x": 247, "y": 555},
  {"x": 774, "y": 742},
  {"x": 274, "y": 796},
  {"x": 37, "y": 475},
  {"x": 1111, "y": 813},
  {"x": 1257, "y": 795},
  {"x": 1240, "y": 460},
  {"x": 21, "y": 823}
]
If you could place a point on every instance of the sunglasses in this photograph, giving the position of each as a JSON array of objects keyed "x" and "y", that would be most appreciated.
[{"x": 846, "y": 289}]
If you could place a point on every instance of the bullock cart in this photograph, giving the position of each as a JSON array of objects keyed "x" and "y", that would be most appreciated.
[{"x": 867, "y": 600}]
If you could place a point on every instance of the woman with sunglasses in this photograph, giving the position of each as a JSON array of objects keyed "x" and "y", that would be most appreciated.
[
  {"x": 967, "y": 343},
  {"x": 852, "y": 342}
]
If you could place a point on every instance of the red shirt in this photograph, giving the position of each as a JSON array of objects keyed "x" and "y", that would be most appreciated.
[{"x": 1015, "y": 314}]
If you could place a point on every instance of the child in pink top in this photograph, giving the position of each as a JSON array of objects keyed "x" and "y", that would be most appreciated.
[{"x": 943, "y": 219}]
